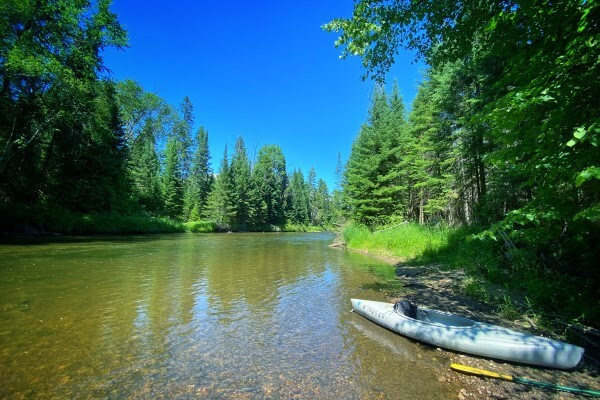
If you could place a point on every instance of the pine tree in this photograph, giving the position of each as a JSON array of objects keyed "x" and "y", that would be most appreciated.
[
  {"x": 394, "y": 137},
  {"x": 184, "y": 136},
  {"x": 339, "y": 172},
  {"x": 270, "y": 178},
  {"x": 144, "y": 169},
  {"x": 322, "y": 204},
  {"x": 296, "y": 200},
  {"x": 219, "y": 199},
  {"x": 172, "y": 180},
  {"x": 367, "y": 178},
  {"x": 200, "y": 179},
  {"x": 201, "y": 168},
  {"x": 312, "y": 196},
  {"x": 241, "y": 181},
  {"x": 337, "y": 198}
]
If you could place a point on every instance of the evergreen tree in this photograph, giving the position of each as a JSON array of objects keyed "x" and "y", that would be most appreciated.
[
  {"x": 322, "y": 205},
  {"x": 296, "y": 200},
  {"x": 184, "y": 136},
  {"x": 242, "y": 185},
  {"x": 173, "y": 180},
  {"x": 339, "y": 172},
  {"x": 145, "y": 171},
  {"x": 202, "y": 171},
  {"x": 219, "y": 201},
  {"x": 337, "y": 197},
  {"x": 367, "y": 179},
  {"x": 200, "y": 180},
  {"x": 270, "y": 178},
  {"x": 312, "y": 196},
  {"x": 390, "y": 183}
]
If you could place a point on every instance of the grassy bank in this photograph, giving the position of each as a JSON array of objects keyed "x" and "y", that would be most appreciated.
[
  {"x": 405, "y": 241},
  {"x": 210, "y": 226},
  {"x": 32, "y": 220},
  {"x": 529, "y": 287},
  {"x": 41, "y": 220}
]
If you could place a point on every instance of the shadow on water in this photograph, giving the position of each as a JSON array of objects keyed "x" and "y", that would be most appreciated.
[{"x": 24, "y": 240}]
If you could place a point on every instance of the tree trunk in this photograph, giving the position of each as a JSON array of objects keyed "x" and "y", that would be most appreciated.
[{"x": 421, "y": 214}]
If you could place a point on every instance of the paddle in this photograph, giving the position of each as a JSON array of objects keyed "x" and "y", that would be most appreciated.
[{"x": 490, "y": 374}]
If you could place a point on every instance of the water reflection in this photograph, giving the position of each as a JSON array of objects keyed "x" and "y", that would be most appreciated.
[{"x": 243, "y": 315}]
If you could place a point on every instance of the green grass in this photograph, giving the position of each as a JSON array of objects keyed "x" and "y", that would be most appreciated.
[
  {"x": 289, "y": 227},
  {"x": 405, "y": 241},
  {"x": 201, "y": 226}
]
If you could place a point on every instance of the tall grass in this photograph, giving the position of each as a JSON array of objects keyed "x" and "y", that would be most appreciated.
[
  {"x": 201, "y": 226},
  {"x": 404, "y": 241}
]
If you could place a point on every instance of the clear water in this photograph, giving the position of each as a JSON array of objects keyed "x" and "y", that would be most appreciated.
[{"x": 243, "y": 316}]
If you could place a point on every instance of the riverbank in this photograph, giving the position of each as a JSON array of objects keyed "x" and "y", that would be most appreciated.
[
  {"x": 425, "y": 280},
  {"x": 540, "y": 293},
  {"x": 434, "y": 286},
  {"x": 37, "y": 220}
]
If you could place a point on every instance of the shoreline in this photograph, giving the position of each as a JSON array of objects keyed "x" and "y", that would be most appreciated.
[{"x": 433, "y": 286}]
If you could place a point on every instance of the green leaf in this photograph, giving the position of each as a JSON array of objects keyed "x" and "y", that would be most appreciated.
[
  {"x": 580, "y": 132},
  {"x": 591, "y": 214},
  {"x": 590, "y": 173},
  {"x": 571, "y": 143},
  {"x": 530, "y": 217}
]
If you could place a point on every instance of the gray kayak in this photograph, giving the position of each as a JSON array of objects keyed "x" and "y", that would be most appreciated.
[{"x": 461, "y": 334}]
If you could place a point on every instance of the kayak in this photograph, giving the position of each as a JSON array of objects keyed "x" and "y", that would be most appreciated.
[{"x": 464, "y": 335}]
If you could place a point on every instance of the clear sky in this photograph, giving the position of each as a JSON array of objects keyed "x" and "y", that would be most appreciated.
[{"x": 261, "y": 69}]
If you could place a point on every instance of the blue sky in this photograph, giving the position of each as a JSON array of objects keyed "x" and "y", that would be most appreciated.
[{"x": 263, "y": 70}]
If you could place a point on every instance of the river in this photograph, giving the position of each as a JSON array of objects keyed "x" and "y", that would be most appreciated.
[{"x": 245, "y": 316}]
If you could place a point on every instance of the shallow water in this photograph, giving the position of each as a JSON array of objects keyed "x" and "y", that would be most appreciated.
[{"x": 192, "y": 316}]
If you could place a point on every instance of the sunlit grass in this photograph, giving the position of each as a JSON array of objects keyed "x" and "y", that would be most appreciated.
[
  {"x": 405, "y": 241},
  {"x": 200, "y": 226}
]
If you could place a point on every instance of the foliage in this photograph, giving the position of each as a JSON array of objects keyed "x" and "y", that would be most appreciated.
[
  {"x": 242, "y": 186},
  {"x": 55, "y": 110},
  {"x": 270, "y": 177},
  {"x": 72, "y": 138},
  {"x": 297, "y": 200},
  {"x": 371, "y": 183},
  {"x": 503, "y": 132},
  {"x": 173, "y": 180}
]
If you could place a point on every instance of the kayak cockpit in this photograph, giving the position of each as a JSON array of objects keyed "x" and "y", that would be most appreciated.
[{"x": 436, "y": 317}]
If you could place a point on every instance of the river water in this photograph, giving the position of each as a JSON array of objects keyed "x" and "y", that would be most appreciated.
[{"x": 244, "y": 316}]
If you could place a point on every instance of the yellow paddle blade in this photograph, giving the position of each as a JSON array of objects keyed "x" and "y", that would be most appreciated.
[{"x": 482, "y": 372}]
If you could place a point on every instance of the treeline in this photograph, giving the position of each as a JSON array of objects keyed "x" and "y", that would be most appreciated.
[
  {"x": 73, "y": 139},
  {"x": 244, "y": 193},
  {"x": 503, "y": 132}
]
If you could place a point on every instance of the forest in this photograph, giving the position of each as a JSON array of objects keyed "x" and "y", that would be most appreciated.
[
  {"x": 501, "y": 138},
  {"x": 78, "y": 145}
]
